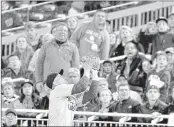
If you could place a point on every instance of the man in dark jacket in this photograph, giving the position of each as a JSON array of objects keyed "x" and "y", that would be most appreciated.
[
  {"x": 125, "y": 104},
  {"x": 131, "y": 66},
  {"x": 152, "y": 106},
  {"x": 108, "y": 72}
]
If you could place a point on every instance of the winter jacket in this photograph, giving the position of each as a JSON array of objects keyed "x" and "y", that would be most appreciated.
[
  {"x": 161, "y": 42},
  {"x": 125, "y": 106},
  {"x": 134, "y": 82},
  {"x": 145, "y": 40},
  {"x": 145, "y": 109}
]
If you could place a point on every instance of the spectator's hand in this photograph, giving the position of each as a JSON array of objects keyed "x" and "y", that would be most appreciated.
[
  {"x": 124, "y": 119},
  {"x": 94, "y": 74},
  {"x": 105, "y": 110},
  {"x": 144, "y": 28},
  {"x": 25, "y": 124},
  {"x": 155, "y": 114},
  {"x": 155, "y": 80},
  {"x": 96, "y": 63},
  {"x": 155, "y": 117},
  {"x": 87, "y": 66},
  {"x": 115, "y": 96},
  {"x": 39, "y": 87}
]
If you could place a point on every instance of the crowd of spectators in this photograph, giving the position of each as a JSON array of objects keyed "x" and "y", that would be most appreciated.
[
  {"x": 58, "y": 9},
  {"x": 62, "y": 71}
]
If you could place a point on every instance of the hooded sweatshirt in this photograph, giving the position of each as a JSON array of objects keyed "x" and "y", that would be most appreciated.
[{"x": 87, "y": 35}]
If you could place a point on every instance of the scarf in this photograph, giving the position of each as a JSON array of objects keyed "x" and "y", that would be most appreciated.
[{"x": 9, "y": 100}]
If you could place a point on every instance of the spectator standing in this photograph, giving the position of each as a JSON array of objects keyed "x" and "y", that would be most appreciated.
[
  {"x": 163, "y": 39},
  {"x": 32, "y": 34},
  {"x": 23, "y": 51},
  {"x": 92, "y": 38},
  {"x": 72, "y": 23},
  {"x": 59, "y": 54}
]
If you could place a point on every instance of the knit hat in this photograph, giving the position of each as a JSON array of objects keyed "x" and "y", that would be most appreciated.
[
  {"x": 126, "y": 28},
  {"x": 27, "y": 81},
  {"x": 74, "y": 70},
  {"x": 10, "y": 111},
  {"x": 50, "y": 78},
  {"x": 160, "y": 53},
  {"x": 8, "y": 83},
  {"x": 117, "y": 77},
  {"x": 103, "y": 89},
  {"x": 152, "y": 87},
  {"x": 107, "y": 61},
  {"x": 57, "y": 24},
  {"x": 161, "y": 18}
]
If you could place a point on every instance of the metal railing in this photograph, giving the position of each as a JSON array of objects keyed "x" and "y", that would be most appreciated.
[
  {"x": 57, "y": 19},
  {"x": 134, "y": 17},
  {"x": 44, "y": 122}
]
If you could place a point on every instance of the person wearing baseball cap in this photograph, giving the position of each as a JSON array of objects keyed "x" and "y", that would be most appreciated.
[
  {"x": 73, "y": 75},
  {"x": 171, "y": 22},
  {"x": 10, "y": 118},
  {"x": 164, "y": 39},
  {"x": 153, "y": 105},
  {"x": 107, "y": 71}
]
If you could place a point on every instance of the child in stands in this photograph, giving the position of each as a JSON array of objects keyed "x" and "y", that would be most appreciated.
[
  {"x": 160, "y": 76},
  {"x": 163, "y": 39}
]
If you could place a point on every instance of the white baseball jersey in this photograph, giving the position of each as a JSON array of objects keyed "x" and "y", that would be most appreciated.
[{"x": 61, "y": 106}]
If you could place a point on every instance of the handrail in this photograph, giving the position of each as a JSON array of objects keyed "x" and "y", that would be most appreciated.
[
  {"x": 28, "y": 7},
  {"x": 85, "y": 13},
  {"x": 93, "y": 113}
]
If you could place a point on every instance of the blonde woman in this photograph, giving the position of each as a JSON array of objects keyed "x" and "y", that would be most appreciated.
[{"x": 125, "y": 35}]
